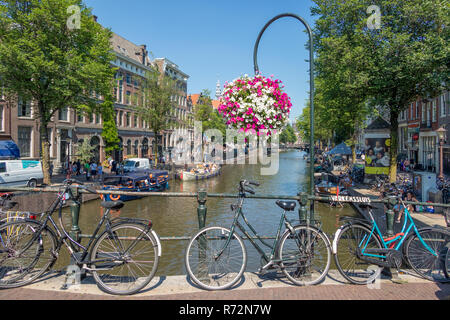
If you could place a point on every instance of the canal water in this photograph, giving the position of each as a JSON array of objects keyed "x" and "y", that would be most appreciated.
[{"x": 178, "y": 216}]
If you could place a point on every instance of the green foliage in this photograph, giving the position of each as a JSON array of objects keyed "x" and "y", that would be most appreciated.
[
  {"x": 288, "y": 135},
  {"x": 406, "y": 58},
  {"x": 155, "y": 105},
  {"x": 85, "y": 152},
  {"x": 205, "y": 113},
  {"x": 109, "y": 132},
  {"x": 41, "y": 58}
]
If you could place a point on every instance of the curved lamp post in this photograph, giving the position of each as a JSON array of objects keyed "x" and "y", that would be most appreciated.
[{"x": 311, "y": 90}]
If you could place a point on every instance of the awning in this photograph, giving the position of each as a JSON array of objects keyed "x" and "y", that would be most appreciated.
[{"x": 9, "y": 150}]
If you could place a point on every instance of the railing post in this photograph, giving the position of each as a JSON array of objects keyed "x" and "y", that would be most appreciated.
[
  {"x": 201, "y": 209},
  {"x": 75, "y": 231},
  {"x": 392, "y": 201},
  {"x": 302, "y": 211}
]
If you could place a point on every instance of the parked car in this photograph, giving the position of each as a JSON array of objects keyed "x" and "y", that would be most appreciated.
[
  {"x": 20, "y": 173},
  {"x": 136, "y": 164}
]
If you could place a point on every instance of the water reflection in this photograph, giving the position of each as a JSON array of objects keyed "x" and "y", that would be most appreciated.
[{"x": 178, "y": 216}]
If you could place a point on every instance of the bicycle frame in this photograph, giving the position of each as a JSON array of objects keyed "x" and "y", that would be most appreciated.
[
  {"x": 406, "y": 229},
  {"x": 236, "y": 223}
]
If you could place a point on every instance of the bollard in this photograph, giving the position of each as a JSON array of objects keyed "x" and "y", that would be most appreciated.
[
  {"x": 392, "y": 201},
  {"x": 302, "y": 211},
  {"x": 75, "y": 231},
  {"x": 201, "y": 209},
  {"x": 201, "y": 212}
]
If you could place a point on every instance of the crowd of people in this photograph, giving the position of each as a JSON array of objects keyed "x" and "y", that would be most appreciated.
[{"x": 92, "y": 170}]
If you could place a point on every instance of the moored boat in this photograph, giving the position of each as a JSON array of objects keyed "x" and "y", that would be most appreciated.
[
  {"x": 200, "y": 173},
  {"x": 143, "y": 181}
]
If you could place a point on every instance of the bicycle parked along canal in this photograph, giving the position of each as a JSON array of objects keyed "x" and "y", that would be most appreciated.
[
  {"x": 122, "y": 259},
  {"x": 361, "y": 251},
  {"x": 216, "y": 257}
]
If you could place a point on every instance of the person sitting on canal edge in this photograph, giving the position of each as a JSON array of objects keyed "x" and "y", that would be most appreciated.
[{"x": 410, "y": 198}]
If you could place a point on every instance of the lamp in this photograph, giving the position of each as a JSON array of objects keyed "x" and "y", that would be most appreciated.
[{"x": 441, "y": 134}]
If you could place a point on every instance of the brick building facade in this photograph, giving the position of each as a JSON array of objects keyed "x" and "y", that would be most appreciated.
[{"x": 69, "y": 128}]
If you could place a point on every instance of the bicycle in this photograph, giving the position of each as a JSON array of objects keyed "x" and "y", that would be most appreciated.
[
  {"x": 361, "y": 252},
  {"x": 216, "y": 257},
  {"x": 122, "y": 259}
]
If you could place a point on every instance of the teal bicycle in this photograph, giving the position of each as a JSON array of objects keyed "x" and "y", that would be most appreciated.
[{"x": 361, "y": 252}]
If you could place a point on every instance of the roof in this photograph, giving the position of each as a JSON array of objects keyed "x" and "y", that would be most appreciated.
[
  {"x": 216, "y": 103},
  {"x": 194, "y": 98},
  {"x": 128, "y": 48},
  {"x": 379, "y": 124}
]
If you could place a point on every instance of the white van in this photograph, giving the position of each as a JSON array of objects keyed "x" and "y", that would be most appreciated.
[
  {"x": 20, "y": 173},
  {"x": 136, "y": 164}
]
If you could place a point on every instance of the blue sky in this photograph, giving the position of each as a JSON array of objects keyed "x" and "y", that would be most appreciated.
[{"x": 213, "y": 40}]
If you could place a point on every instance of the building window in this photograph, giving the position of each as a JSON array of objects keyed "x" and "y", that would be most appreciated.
[
  {"x": 128, "y": 119},
  {"x": 24, "y": 141},
  {"x": 128, "y": 147},
  {"x": 97, "y": 118},
  {"x": 120, "y": 118},
  {"x": 135, "y": 121},
  {"x": 80, "y": 117},
  {"x": 24, "y": 108},
  {"x": 63, "y": 114},
  {"x": 417, "y": 110},
  {"x": 428, "y": 114},
  {"x": 91, "y": 118},
  {"x": 121, "y": 91},
  {"x": 127, "y": 101},
  {"x": 128, "y": 77},
  {"x": 443, "y": 106},
  {"x": 423, "y": 112},
  {"x": 136, "y": 144},
  {"x": 1, "y": 118},
  {"x": 434, "y": 110}
]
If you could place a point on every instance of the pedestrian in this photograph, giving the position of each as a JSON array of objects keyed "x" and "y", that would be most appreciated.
[
  {"x": 94, "y": 170},
  {"x": 114, "y": 166},
  {"x": 87, "y": 169},
  {"x": 100, "y": 171},
  {"x": 51, "y": 169},
  {"x": 410, "y": 198}
]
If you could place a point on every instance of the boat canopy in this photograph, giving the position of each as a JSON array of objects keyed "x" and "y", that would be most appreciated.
[{"x": 9, "y": 150}]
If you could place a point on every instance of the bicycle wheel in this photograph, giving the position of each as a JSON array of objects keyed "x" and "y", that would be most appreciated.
[
  {"x": 305, "y": 255},
  {"x": 125, "y": 261},
  {"x": 350, "y": 238},
  {"x": 428, "y": 264},
  {"x": 24, "y": 255},
  {"x": 209, "y": 271}
]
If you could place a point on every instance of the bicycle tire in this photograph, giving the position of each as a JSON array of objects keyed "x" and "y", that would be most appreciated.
[
  {"x": 101, "y": 250},
  {"x": 345, "y": 254},
  {"x": 302, "y": 270},
  {"x": 423, "y": 262},
  {"x": 201, "y": 263},
  {"x": 17, "y": 244}
]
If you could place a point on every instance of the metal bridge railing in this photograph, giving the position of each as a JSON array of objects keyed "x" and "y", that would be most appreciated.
[{"x": 202, "y": 197}]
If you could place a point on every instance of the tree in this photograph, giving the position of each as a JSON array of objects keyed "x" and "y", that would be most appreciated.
[
  {"x": 288, "y": 135},
  {"x": 109, "y": 133},
  {"x": 85, "y": 151},
  {"x": 407, "y": 57},
  {"x": 47, "y": 58},
  {"x": 205, "y": 113},
  {"x": 155, "y": 104}
]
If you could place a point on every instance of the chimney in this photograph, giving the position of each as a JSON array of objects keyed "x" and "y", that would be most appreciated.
[{"x": 144, "y": 53}]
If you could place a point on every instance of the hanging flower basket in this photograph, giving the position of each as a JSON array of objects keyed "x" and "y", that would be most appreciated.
[{"x": 254, "y": 104}]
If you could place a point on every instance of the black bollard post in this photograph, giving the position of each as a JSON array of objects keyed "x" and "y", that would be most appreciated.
[{"x": 201, "y": 213}]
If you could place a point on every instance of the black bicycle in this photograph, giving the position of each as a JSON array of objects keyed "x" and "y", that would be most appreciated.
[
  {"x": 123, "y": 259},
  {"x": 216, "y": 257}
]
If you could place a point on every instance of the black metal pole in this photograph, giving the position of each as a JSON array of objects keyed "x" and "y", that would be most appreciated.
[{"x": 311, "y": 93}]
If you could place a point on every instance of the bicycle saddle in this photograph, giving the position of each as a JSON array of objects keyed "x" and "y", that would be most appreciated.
[
  {"x": 115, "y": 205},
  {"x": 287, "y": 205}
]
